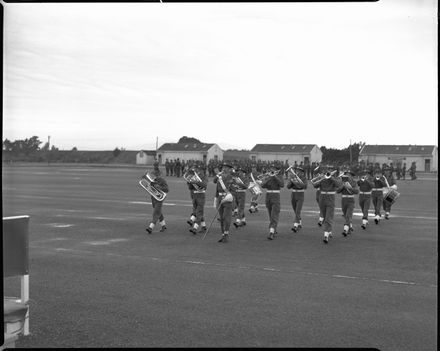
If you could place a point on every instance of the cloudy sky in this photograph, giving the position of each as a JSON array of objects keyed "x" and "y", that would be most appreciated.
[{"x": 100, "y": 76}]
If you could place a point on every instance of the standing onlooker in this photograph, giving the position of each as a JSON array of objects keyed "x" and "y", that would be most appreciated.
[{"x": 404, "y": 171}]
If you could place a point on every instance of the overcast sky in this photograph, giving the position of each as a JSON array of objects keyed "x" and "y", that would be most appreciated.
[{"x": 100, "y": 76}]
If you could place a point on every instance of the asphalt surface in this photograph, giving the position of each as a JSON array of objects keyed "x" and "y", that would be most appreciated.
[{"x": 98, "y": 280}]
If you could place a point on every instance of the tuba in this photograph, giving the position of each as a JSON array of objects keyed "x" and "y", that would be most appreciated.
[
  {"x": 192, "y": 178},
  {"x": 147, "y": 182}
]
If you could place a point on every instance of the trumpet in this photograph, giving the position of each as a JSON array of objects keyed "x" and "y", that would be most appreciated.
[
  {"x": 295, "y": 177},
  {"x": 192, "y": 178},
  {"x": 264, "y": 176},
  {"x": 330, "y": 174},
  {"x": 147, "y": 182}
]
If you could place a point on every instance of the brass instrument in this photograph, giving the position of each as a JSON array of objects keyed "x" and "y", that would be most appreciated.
[
  {"x": 318, "y": 179},
  {"x": 254, "y": 187},
  {"x": 330, "y": 174},
  {"x": 192, "y": 178},
  {"x": 266, "y": 175},
  {"x": 147, "y": 182},
  {"x": 295, "y": 177},
  {"x": 346, "y": 181}
]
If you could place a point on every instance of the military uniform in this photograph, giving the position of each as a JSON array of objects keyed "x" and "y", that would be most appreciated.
[
  {"x": 377, "y": 195},
  {"x": 161, "y": 184},
  {"x": 224, "y": 200},
  {"x": 392, "y": 183},
  {"x": 297, "y": 196},
  {"x": 240, "y": 197},
  {"x": 198, "y": 198},
  {"x": 349, "y": 189},
  {"x": 328, "y": 187},
  {"x": 317, "y": 186},
  {"x": 365, "y": 184},
  {"x": 273, "y": 184}
]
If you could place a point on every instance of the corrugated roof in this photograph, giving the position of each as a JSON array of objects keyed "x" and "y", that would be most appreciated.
[
  {"x": 285, "y": 148},
  {"x": 397, "y": 150},
  {"x": 185, "y": 147}
]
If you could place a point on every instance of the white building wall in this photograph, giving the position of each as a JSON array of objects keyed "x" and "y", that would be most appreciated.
[
  {"x": 214, "y": 151},
  {"x": 419, "y": 160},
  {"x": 314, "y": 156},
  {"x": 143, "y": 159}
]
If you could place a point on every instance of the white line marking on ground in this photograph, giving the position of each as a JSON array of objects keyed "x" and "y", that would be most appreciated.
[
  {"x": 60, "y": 225},
  {"x": 337, "y": 276}
]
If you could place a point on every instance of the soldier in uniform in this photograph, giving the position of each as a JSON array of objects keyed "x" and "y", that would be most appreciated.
[
  {"x": 348, "y": 190},
  {"x": 298, "y": 184},
  {"x": 273, "y": 182},
  {"x": 161, "y": 184},
  {"x": 167, "y": 167},
  {"x": 224, "y": 182},
  {"x": 316, "y": 172},
  {"x": 377, "y": 194},
  {"x": 254, "y": 198},
  {"x": 365, "y": 184},
  {"x": 404, "y": 171},
  {"x": 241, "y": 183},
  {"x": 198, "y": 197},
  {"x": 392, "y": 183},
  {"x": 329, "y": 185}
]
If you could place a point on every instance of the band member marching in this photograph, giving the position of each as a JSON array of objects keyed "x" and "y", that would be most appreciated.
[
  {"x": 297, "y": 181},
  {"x": 329, "y": 185},
  {"x": 273, "y": 182},
  {"x": 347, "y": 191},
  {"x": 256, "y": 194},
  {"x": 158, "y": 187},
  {"x": 224, "y": 201},
  {"x": 377, "y": 194},
  {"x": 240, "y": 184},
  {"x": 391, "y": 184},
  {"x": 197, "y": 184},
  {"x": 316, "y": 184},
  {"x": 366, "y": 184}
]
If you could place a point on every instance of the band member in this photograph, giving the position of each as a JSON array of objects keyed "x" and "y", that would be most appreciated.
[
  {"x": 160, "y": 184},
  {"x": 391, "y": 181},
  {"x": 316, "y": 173},
  {"x": 377, "y": 194},
  {"x": 197, "y": 185},
  {"x": 366, "y": 184},
  {"x": 329, "y": 185},
  {"x": 273, "y": 182},
  {"x": 298, "y": 183},
  {"x": 255, "y": 197},
  {"x": 347, "y": 191},
  {"x": 224, "y": 182},
  {"x": 240, "y": 184}
]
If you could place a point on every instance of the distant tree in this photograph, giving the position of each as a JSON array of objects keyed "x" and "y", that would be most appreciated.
[
  {"x": 185, "y": 140},
  {"x": 116, "y": 152},
  {"x": 74, "y": 148},
  {"x": 7, "y": 145}
]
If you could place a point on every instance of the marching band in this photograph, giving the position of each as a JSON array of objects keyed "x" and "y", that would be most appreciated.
[{"x": 377, "y": 187}]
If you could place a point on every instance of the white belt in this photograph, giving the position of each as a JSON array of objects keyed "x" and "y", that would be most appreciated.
[
  {"x": 199, "y": 191},
  {"x": 240, "y": 191},
  {"x": 365, "y": 192},
  {"x": 298, "y": 190},
  {"x": 272, "y": 191},
  {"x": 376, "y": 189},
  {"x": 222, "y": 193},
  {"x": 347, "y": 195},
  {"x": 328, "y": 192}
]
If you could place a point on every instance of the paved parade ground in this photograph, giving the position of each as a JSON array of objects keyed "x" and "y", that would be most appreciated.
[{"x": 97, "y": 279}]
